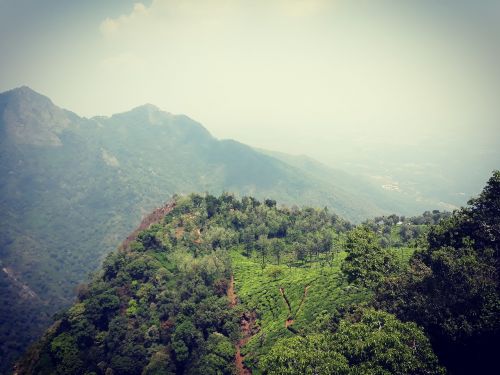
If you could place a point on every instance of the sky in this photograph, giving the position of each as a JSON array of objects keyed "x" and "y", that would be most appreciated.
[{"x": 333, "y": 79}]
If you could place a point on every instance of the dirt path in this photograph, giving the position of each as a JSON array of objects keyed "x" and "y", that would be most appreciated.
[
  {"x": 303, "y": 299},
  {"x": 246, "y": 325},
  {"x": 290, "y": 319}
]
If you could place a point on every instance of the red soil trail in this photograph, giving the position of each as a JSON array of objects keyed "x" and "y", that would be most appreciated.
[
  {"x": 289, "y": 321},
  {"x": 303, "y": 299},
  {"x": 247, "y": 329},
  {"x": 240, "y": 367}
]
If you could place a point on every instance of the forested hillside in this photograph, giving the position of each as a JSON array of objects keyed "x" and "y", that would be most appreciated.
[
  {"x": 220, "y": 285},
  {"x": 163, "y": 304},
  {"x": 72, "y": 188}
]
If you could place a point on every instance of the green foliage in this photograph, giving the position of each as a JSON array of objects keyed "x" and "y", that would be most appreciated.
[
  {"x": 452, "y": 287},
  {"x": 313, "y": 354},
  {"x": 400, "y": 231},
  {"x": 367, "y": 263},
  {"x": 132, "y": 307},
  {"x": 66, "y": 205},
  {"x": 149, "y": 310},
  {"x": 367, "y": 341},
  {"x": 65, "y": 350},
  {"x": 159, "y": 364},
  {"x": 260, "y": 292},
  {"x": 159, "y": 305},
  {"x": 220, "y": 356}
]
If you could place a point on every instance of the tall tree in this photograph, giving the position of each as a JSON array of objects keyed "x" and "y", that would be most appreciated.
[
  {"x": 453, "y": 289},
  {"x": 367, "y": 263},
  {"x": 366, "y": 342}
]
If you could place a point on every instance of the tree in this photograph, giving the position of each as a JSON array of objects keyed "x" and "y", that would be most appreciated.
[
  {"x": 271, "y": 203},
  {"x": 452, "y": 288},
  {"x": 299, "y": 250},
  {"x": 278, "y": 248},
  {"x": 184, "y": 340},
  {"x": 219, "y": 356},
  {"x": 66, "y": 352},
  {"x": 262, "y": 246},
  {"x": 366, "y": 341},
  {"x": 159, "y": 364},
  {"x": 367, "y": 263},
  {"x": 480, "y": 222},
  {"x": 313, "y": 354}
]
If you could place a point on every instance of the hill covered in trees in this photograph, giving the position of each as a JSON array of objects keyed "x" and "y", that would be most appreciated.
[
  {"x": 73, "y": 187},
  {"x": 221, "y": 285}
]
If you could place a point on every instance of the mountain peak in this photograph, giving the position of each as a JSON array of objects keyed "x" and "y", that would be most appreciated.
[
  {"x": 24, "y": 88},
  {"x": 26, "y": 93},
  {"x": 147, "y": 113},
  {"x": 147, "y": 107},
  {"x": 31, "y": 118}
]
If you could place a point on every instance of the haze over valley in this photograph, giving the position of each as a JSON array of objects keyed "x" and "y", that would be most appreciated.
[{"x": 237, "y": 187}]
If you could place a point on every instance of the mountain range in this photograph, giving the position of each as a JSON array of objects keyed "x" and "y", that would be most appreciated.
[{"x": 73, "y": 187}]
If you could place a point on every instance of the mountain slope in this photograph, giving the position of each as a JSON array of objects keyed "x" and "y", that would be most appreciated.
[
  {"x": 72, "y": 187},
  {"x": 166, "y": 303},
  {"x": 391, "y": 200}
]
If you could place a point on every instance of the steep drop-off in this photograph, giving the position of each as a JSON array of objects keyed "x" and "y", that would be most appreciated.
[
  {"x": 165, "y": 303},
  {"x": 71, "y": 189}
]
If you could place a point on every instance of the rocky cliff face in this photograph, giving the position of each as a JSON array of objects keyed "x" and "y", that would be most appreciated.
[{"x": 32, "y": 119}]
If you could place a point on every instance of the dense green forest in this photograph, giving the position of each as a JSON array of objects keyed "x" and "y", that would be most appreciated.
[
  {"x": 221, "y": 285},
  {"x": 72, "y": 188}
]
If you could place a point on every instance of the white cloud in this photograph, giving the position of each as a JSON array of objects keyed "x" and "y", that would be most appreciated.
[
  {"x": 240, "y": 66},
  {"x": 212, "y": 12},
  {"x": 111, "y": 26}
]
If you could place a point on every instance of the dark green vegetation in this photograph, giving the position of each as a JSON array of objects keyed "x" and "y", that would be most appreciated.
[
  {"x": 365, "y": 341},
  {"x": 452, "y": 287},
  {"x": 315, "y": 295},
  {"x": 160, "y": 305},
  {"x": 399, "y": 231},
  {"x": 154, "y": 308},
  {"x": 71, "y": 188}
]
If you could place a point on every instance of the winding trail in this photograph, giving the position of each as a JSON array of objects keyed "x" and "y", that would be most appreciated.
[
  {"x": 246, "y": 326},
  {"x": 303, "y": 299},
  {"x": 290, "y": 319}
]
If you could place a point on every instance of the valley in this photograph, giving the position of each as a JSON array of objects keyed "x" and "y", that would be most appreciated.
[
  {"x": 73, "y": 187},
  {"x": 278, "y": 187},
  {"x": 213, "y": 284}
]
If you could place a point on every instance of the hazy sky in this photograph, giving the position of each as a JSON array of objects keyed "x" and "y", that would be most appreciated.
[{"x": 316, "y": 77}]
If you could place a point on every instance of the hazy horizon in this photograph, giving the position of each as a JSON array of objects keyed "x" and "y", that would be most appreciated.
[
  {"x": 352, "y": 84},
  {"x": 147, "y": 243}
]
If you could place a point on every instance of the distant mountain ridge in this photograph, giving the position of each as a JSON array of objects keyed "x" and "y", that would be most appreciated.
[
  {"x": 362, "y": 187},
  {"x": 72, "y": 187}
]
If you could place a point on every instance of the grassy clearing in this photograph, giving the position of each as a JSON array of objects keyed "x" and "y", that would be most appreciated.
[{"x": 259, "y": 290}]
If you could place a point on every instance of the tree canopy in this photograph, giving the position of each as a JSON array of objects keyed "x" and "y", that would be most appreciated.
[
  {"x": 366, "y": 341},
  {"x": 452, "y": 287}
]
